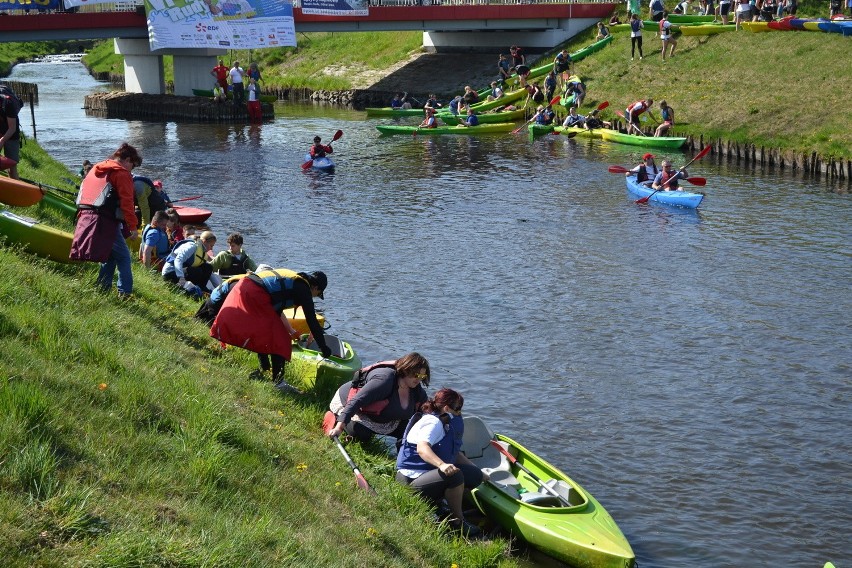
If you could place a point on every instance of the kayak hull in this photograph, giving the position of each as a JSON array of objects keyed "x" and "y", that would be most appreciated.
[
  {"x": 36, "y": 237},
  {"x": 578, "y": 530},
  {"x": 537, "y": 130},
  {"x": 192, "y": 215},
  {"x": 18, "y": 193},
  {"x": 596, "y": 133},
  {"x": 323, "y": 164},
  {"x": 667, "y": 142},
  {"x": 708, "y": 29},
  {"x": 486, "y": 118},
  {"x": 496, "y": 128},
  {"x": 308, "y": 370},
  {"x": 684, "y": 199},
  {"x": 388, "y": 111}
]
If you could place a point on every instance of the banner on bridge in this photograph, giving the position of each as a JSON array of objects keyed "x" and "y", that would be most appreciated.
[
  {"x": 29, "y": 4},
  {"x": 222, "y": 24},
  {"x": 335, "y": 7}
]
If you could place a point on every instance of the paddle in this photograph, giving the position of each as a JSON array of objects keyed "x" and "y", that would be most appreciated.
[
  {"x": 43, "y": 185},
  {"x": 187, "y": 198},
  {"x": 359, "y": 478},
  {"x": 700, "y": 155},
  {"x": 600, "y": 107},
  {"x": 533, "y": 476},
  {"x": 552, "y": 102},
  {"x": 621, "y": 114},
  {"x": 334, "y": 138},
  {"x": 693, "y": 180}
]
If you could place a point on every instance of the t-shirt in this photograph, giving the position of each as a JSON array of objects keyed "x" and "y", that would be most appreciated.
[
  {"x": 9, "y": 109},
  {"x": 428, "y": 429},
  {"x": 236, "y": 75}
]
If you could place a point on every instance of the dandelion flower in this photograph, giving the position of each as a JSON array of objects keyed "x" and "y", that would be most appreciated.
[
  {"x": 102, "y": 386},
  {"x": 302, "y": 467}
]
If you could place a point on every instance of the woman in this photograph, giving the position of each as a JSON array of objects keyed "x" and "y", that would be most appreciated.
[
  {"x": 667, "y": 117},
  {"x": 106, "y": 217},
  {"x": 430, "y": 460},
  {"x": 646, "y": 171},
  {"x": 386, "y": 395},
  {"x": 636, "y": 26}
]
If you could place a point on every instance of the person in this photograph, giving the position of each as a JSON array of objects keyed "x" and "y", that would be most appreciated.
[
  {"x": 219, "y": 95},
  {"x": 496, "y": 91},
  {"x": 430, "y": 460},
  {"x": 614, "y": 21},
  {"x": 743, "y": 13},
  {"x": 503, "y": 72},
  {"x": 251, "y": 316},
  {"x": 254, "y": 111},
  {"x": 667, "y": 117},
  {"x": 174, "y": 228},
  {"x": 380, "y": 399},
  {"x": 155, "y": 242},
  {"x": 396, "y": 101},
  {"x": 106, "y": 217},
  {"x": 535, "y": 93},
  {"x": 254, "y": 73},
  {"x": 574, "y": 119},
  {"x": 603, "y": 32},
  {"x": 455, "y": 105},
  {"x": 633, "y": 111},
  {"x": 187, "y": 263},
  {"x": 470, "y": 97},
  {"x": 834, "y": 9},
  {"x": 544, "y": 115},
  {"x": 149, "y": 198},
  {"x": 682, "y": 7},
  {"x": 574, "y": 93},
  {"x": 236, "y": 73},
  {"x": 318, "y": 149},
  {"x": 10, "y": 129},
  {"x": 234, "y": 260},
  {"x": 724, "y": 10},
  {"x": 432, "y": 102},
  {"x": 471, "y": 119},
  {"x": 406, "y": 102},
  {"x": 562, "y": 63},
  {"x": 594, "y": 121},
  {"x": 666, "y": 180},
  {"x": 220, "y": 72},
  {"x": 656, "y": 10},
  {"x": 666, "y": 36},
  {"x": 646, "y": 172},
  {"x": 87, "y": 165},
  {"x": 636, "y": 26},
  {"x": 518, "y": 57},
  {"x": 550, "y": 84},
  {"x": 430, "y": 121}
]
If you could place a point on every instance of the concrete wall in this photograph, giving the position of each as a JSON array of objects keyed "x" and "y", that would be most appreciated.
[
  {"x": 143, "y": 68},
  {"x": 499, "y": 41}
]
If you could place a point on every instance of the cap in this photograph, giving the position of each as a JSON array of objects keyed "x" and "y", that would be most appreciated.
[
  {"x": 319, "y": 280},
  {"x": 648, "y": 155},
  {"x": 158, "y": 183}
]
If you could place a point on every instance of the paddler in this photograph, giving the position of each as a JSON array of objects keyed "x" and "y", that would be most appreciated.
[
  {"x": 666, "y": 180},
  {"x": 430, "y": 121},
  {"x": 319, "y": 150}
]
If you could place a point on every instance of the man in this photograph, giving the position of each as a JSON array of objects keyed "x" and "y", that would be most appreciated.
[
  {"x": 656, "y": 9},
  {"x": 633, "y": 111},
  {"x": 503, "y": 68},
  {"x": 574, "y": 119},
  {"x": 646, "y": 172},
  {"x": 518, "y": 57},
  {"x": 220, "y": 72},
  {"x": 318, "y": 149},
  {"x": 666, "y": 180},
  {"x": 496, "y": 92},
  {"x": 10, "y": 141},
  {"x": 155, "y": 242},
  {"x": 471, "y": 120},
  {"x": 562, "y": 62},
  {"x": 236, "y": 74},
  {"x": 188, "y": 263}
]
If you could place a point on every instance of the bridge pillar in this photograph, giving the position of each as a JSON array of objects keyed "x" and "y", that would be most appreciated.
[
  {"x": 192, "y": 69},
  {"x": 143, "y": 70},
  {"x": 549, "y": 34}
]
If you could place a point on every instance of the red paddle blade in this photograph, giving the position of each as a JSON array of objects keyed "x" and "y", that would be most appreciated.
[
  {"x": 700, "y": 181},
  {"x": 702, "y": 153},
  {"x": 337, "y": 135},
  {"x": 644, "y": 199},
  {"x": 603, "y": 105},
  {"x": 621, "y": 114},
  {"x": 362, "y": 483},
  {"x": 617, "y": 170},
  {"x": 555, "y": 100},
  {"x": 307, "y": 164}
]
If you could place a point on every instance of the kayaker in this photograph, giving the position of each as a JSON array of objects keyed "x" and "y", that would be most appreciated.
[
  {"x": 518, "y": 57},
  {"x": 562, "y": 63},
  {"x": 318, "y": 149},
  {"x": 187, "y": 263},
  {"x": 430, "y": 121},
  {"x": 470, "y": 96},
  {"x": 235, "y": 260},
  {"x": 380, "y": 399},
  {"x": 550, "y": 84},
  {"x": 155, "y": 242},
  {"x": 666, "y": 180},
  {"x": 430, "y": 461},
  {"x": 432, "y": 102},
  {"x": 396, "y": 101},
  {"x": 496, "y": 92},
  {"x": 594, "y": 121},
  {"x": 471, "y": 120},
  {"x": 633, "y": 111},
  {"x": 544, "y": 115},
  {"x": 667, "y": 116},
  {"x": 455, "y": 105},
  {"x": 656, "y": 10},
  {"x": 666, "y": 36},
  {"x": 575, "y": 89},
  {"x": 535, "y": 93},
  {"x": 503, "y": 68},
  {"x": 251, "y": 316},
  {"x": 574, "y": 119},
  {"x": 603, "y": 32},
  {"x": 646, "y": 172},
  {"x": 106, "y": 218}
]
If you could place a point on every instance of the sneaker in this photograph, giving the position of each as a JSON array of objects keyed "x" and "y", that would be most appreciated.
[
  {"x": 258, "y": 375},
  {"x": 284, "y": 386},
  {"x": 465, "y": 528}
]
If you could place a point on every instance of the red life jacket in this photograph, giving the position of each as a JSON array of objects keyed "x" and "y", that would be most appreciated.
[
  {"x": 665, "y": 178},
  {"x": 98, "y": 194},
  {"x": 360, "y": 379}
]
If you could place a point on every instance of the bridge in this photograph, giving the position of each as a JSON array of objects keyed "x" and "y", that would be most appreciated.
[{"x": 453, "y": 25}]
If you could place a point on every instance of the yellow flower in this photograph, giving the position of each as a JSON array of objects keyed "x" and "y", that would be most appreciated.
[
  {"x": 338, "y": 484},
  {"x": 302, "y": 467},
  {"x": 371, "y": 532},
  {"x": 102, "y": 386},
  {"x": 454, "y": 565}
]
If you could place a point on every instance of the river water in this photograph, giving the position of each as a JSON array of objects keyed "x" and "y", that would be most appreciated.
[{"x": 692, "y": 370}]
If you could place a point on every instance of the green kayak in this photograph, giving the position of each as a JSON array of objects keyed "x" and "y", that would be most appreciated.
[
  {"x": 506, "y": 99},
  {"x": 537, "y": 130},
  {"x": 485, "y": 118},
  {"x": 35, "y": 236},
  {"x": 495, "y": 128},
  {"x": 596, "y": 133},
  {"x": 308, "y": 370},
  {"x": 669, "y": 142},
  {"x": 553, "y": 514},
  {"x": 388, "y": 111}
]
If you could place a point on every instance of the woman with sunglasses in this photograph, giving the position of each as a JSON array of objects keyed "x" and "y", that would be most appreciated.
[
  {"x": 380, "y": 399},
  {"x": 430, "y": 460}
]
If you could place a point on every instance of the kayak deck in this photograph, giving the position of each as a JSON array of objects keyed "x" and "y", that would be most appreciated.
[
  {"x": 668, "y": 142},
  {"x": 493, "y": 128},
  {"x": 677, "y": 198}
]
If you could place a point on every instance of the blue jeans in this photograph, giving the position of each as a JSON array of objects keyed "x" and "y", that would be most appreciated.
[{"x": 120, "y": 257}]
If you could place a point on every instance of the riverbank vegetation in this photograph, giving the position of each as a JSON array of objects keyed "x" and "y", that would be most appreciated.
[{"x": 128, "y": 437}]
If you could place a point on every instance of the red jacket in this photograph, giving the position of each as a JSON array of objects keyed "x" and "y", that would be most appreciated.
[{"x": 110, "y": 171}]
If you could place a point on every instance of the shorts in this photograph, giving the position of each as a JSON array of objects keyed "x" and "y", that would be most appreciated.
[
  {"x": 657, "y": 17},
  {"x": 724, "y": 8},
  {"x": 12, "y": 150}
]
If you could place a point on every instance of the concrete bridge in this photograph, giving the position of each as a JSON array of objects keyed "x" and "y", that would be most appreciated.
[{"x": 454, "y": 25}]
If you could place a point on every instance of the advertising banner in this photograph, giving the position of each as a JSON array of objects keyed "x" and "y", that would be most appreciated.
[
  {"x": 29, "y": 4},
  {"x": 335, "y": 7}
]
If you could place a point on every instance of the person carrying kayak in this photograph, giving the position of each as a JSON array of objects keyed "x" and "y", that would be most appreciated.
[{"x": 319, "y": 150}]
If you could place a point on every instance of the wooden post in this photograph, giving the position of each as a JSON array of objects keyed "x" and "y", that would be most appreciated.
[{"x": 32, "y": 115}]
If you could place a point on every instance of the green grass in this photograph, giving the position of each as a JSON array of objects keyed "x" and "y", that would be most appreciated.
[{"x": 129, "y": 438}]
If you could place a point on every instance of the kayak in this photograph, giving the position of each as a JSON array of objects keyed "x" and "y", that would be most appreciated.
[
  {"x": 573, "y": 528},
  {"x": 36, "y": 237},
  {"x": 578, "y": 55},
  {"x": 495, "y": 128},
  {"x": 670, "y": 142},
  {"x": 192, "y": 215},
  {"x": 308, "y": 370},
  {"x": 323, "y": 164},
  {"x": 506, "y": 99},
  {"x": 19, "y": 193},
  {"x": 688, "y": 19},
  {"x": 296, "y": 317},
  {"x": 61, "y": 204},
  {"x": 595, "y": 133},
  {"x": 676, "y": 198},
  {"x": 388, "y": 111},
  {"x": 537, "y": 130},
  {"x": 485, "y": 118},
  {"x": 209, "y": 94},
  {"x": 782, "y": 25},
  {"x": 706, "y": 29}
]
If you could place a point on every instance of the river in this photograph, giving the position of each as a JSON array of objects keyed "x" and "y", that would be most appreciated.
[{"x": 692, "y": 370}]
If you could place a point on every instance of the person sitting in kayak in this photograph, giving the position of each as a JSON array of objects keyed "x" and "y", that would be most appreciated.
[
  {"x": 471, "y": 120},
  {"x": 667, "y": 115},
  {"x": 496, "y": 92},
  {"x": 396, "y": 101},
  {"x": 319, "y": 150},
  {"x": 430, "y": 460},
  {"x": 432, "y": 102},
  {"x": 456, "y": 104},
  {"x": 646, "y": 172},
  {"x": 574, "y": 119},
  {"x": 594, "y": 121},
  {"x": 430, "y": 121},
  {"x": 666, "y": 180},
  {"x": 544, "y": 115},
  {"x": 633, "y": 111}
]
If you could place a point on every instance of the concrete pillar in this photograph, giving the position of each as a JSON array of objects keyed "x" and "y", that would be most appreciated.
[
  {"x": 192, "y": 69},
  {"x": 143, "y": 70},
  {"x": 488, "y": 41}
]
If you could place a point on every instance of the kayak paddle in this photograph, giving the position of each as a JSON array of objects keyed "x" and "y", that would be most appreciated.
[
  {"x": 700, "y": 155},
  {"x": 552, "y": 102},
  {"x": 359, "y": 478},
  {"x": 41, "y": 185},
  {"x": 187, "y": 198},
  {"x": 309, "y": 163},
  {"x": 693, "y": 180},
  {"x": 533, "y": 476}
]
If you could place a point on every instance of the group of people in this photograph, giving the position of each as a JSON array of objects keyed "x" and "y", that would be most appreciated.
[
  {"x": 635, "y": 110},
  {"x": 237, "y": 77}
]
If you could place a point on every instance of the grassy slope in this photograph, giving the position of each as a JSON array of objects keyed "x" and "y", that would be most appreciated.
[{"x": 128, "y": 438}]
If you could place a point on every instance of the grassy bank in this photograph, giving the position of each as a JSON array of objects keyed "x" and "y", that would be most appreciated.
[{"x": 129, "y": 438}]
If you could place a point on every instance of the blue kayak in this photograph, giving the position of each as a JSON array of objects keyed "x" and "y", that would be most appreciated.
[
  {"x": 676, "y": 198},
  {"x": 323, "y": 164}
]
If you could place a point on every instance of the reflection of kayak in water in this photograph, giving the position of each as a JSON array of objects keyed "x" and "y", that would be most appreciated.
[{"x": 323, "y": 164}]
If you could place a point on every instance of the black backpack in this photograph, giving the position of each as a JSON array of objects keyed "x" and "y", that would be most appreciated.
[{"x": 11, "y": 101}]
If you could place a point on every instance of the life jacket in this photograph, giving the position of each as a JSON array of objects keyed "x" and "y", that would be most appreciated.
[
  {"x": 197, "y": 260},
  {"x": 156, "y": 199},
  {"x": 643, "y": 175},
  {"x": 11, "y": 105},
  {"x": 665, "y": 178},
  {"x": 637, "y": 108},
  {"x": 663, "y": 29},
  {"x": 447, "y": 449},
  {"x": 635, "y": 25},
  {"x": 99, "y": 195},
  {"x": 666, "y": 114},
  {"x": 157, "y": 252},
  {"x": 318, "y": 151},
  {"x": 279, "y": 284},
  {"x": 237, "y": 266},
  {"x": 657, "y": 6},
  {"x": 360, "y": 378}
]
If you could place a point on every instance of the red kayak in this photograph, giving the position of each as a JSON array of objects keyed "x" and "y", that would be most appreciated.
[
  {"x": 192, "y": 215},
  {"x": 782, "y": 25}
]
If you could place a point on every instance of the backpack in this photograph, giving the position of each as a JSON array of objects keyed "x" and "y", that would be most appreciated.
[{"x": 13, "y": 102}]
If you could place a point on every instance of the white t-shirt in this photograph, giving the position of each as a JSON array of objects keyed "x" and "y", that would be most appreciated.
[
  {"x": 428, "y": 429},
  {"x": 236, "y": 74},
  {"x": 665, "y": 32},
  {"x": 252, "y": 96}
]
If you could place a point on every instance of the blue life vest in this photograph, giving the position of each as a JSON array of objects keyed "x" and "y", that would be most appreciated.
[
  {"x": 279, "y": 284},
  {"x": 447, "y": 449}
]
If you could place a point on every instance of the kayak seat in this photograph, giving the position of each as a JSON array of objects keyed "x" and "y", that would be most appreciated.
[
  {"x": 334, "y": 343},
  {"x": 476, "y": 445}
]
